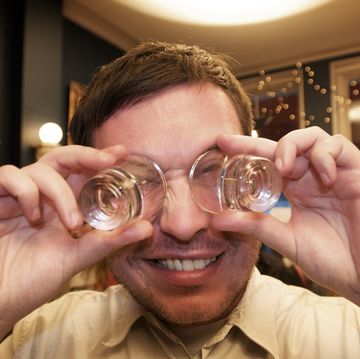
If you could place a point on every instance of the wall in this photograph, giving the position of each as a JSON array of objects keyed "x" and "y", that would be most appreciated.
[
  {"x": 42, "y": 71},
  {"x": 83, "y": 53},
  {"x": 41, "y": 52},
  {"x": 11, "y": 30}
]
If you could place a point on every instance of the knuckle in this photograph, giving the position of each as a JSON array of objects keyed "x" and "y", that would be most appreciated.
[
  {"x": 316, "y": 129},
  {"x": 339, "y": 138},
  {"x": 8, "y": 169},
  {"x": 37, "y": 168}
]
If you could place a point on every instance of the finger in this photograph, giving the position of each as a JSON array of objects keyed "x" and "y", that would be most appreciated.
[
  {"x": 238, "y": 144},
  {"x": 15, "y": 183},
  {"x": 95, "y": 245},
  {"x": 295, "y": 144},
  {"x": 267, "y": 229},
  {"x": 70, "y": 158},
  {"x": 323, "y": 158},
  {"x": 235, "y": 144},
  {"x": 54, "y": 187},
  {"x": 119, "y": 151},
  {"x": 334, "y": 152},
  {"x": 9, "y": 208},
  {"x": 300, "y": 167}
]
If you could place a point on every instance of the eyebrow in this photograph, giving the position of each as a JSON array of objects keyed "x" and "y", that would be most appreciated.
[{"x": 212, "y": 147}]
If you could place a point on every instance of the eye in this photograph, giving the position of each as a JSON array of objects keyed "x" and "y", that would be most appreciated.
[
  {"x": 205, "y": 180},
  {"x": 207, "y": 173},
  {"x": 207, "y": 164},
  {"x": 208, "y": 168}
]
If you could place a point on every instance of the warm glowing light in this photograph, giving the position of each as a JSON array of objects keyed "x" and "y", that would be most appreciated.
[
  {"x": 354, "y": 113},
  {"x": 226, "y": 12},
  {"x": 50, "y": 133}
]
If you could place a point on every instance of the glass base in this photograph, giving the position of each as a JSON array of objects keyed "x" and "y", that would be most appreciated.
[{"x": 110, "y": 199}]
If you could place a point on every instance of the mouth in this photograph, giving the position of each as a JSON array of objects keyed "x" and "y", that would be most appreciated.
[{"x": 185, "y": 265}]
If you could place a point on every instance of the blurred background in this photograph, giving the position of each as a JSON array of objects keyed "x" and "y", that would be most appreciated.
[{"x": 299, "y": 60}]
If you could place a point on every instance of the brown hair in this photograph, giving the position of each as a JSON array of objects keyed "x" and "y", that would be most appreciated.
[{"x": 148, "y": 68}]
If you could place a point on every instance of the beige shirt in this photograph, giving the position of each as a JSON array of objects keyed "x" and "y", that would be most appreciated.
[{"x": 273, "y": 320}]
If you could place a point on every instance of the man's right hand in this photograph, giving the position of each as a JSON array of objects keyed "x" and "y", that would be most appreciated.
[{"x": 38, "y": 210}]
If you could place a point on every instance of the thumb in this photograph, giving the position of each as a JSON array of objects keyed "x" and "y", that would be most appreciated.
[
  {"x": 267, "y": 229},
  {"x": 96, "y": 245}
]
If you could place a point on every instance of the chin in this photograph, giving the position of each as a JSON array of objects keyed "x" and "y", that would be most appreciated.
[
  {"x": 191, "y": 307},
  {"x": 193, "y": 316},
  {"x": 199, "y": 310}
]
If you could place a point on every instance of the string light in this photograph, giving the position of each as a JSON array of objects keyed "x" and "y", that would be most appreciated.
[{"x": 266, "y": 81}]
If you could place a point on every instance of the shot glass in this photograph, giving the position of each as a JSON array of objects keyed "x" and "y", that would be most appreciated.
[
  {"x": 218, "y": 182},
  {"x": 134, "y": 188}
]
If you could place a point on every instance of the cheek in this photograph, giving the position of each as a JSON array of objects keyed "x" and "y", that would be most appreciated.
[
  {"x": 243, "y": 252},
  {"x": 117, "y": 265},
  {"x": 122, "y": 265}
]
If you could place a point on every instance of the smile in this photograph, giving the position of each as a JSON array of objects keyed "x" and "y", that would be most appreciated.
[{"x": 184, "y": 264}]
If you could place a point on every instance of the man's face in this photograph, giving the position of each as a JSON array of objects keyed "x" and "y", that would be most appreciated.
[{"x": 173, "y": 127}]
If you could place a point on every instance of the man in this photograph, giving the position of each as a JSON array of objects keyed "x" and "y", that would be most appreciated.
[{"x": 194, "y": 291}]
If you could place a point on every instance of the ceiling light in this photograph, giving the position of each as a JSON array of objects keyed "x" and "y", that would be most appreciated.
[{"x": 224, "y": 12}]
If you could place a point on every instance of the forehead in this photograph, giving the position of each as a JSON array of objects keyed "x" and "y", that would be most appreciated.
[{"x": 172, "y": 124}]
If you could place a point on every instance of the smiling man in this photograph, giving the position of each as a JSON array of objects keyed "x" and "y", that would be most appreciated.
[
  {"x": 189, "y": 287},
  {"x": 160, "y": 272}
]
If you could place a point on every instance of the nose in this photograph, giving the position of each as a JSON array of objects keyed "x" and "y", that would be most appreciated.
[{"x": 180, "y": 216}]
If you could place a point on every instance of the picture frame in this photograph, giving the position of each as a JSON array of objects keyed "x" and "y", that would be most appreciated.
[{"x": 76, "y": 91}]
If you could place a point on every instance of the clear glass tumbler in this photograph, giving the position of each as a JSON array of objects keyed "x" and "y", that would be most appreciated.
[
  {"x": 219, "y": 182},
  {"x": 133, "y": 188}
]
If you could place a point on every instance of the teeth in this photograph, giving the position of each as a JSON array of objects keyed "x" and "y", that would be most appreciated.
[
  {"x": 170, "y": 264},
  {"x": 188, "y": 264},
  {"x": 185, "y": 264}
]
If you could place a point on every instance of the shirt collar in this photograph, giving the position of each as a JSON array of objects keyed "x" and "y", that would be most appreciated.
[
  {"x": 124, "y": 311},
  {"x": 254, "y": 316}
]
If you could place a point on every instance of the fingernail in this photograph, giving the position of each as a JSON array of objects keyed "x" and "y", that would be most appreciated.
[
  {"x": 35, "y": 215},
  {"x": 106, "y": 156},
  {"x": 325, "y": 178},
  {"x": 75, "y": 220},
  {"x": 279, "y": 163}
]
